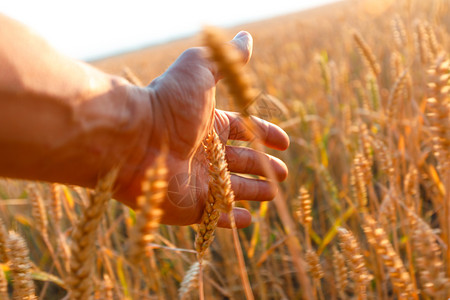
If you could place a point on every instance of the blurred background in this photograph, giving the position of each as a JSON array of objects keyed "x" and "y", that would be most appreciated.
[{"x": 90, "y": 30}]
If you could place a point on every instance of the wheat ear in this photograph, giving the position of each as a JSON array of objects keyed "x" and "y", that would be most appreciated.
[
  {"x": 378, "y": 239},
  {"x": 229, "y": 62},
  {"x": 355, "y": 261},
  {"x": 429, "y": 258},
  {"x": 399, "y": 32},
  {"x": 38, "y": 210},
  {"x": 367, "y": 54},
  {"x": 80, "y": 281},
  {"x": 340, "y": 272},
  {"x": 18, "y": 254},
  {"x": 56, "y": 204},
  {"x": 220, "y": 194},
  {"x": 422, "y": 43},
  {"x": 314, "y": 265},
  {"x": 191, "y": 279},
  {"x": 149, "y": 213}
]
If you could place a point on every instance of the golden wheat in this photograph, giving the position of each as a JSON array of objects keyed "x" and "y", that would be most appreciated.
[
  {"x": 229, "y": 62},
  {"x": 38, "y": 210},
  {"x": 220, "y": 194},
  {"x": 400, "y": 278},
  {"x": 340, "y": 272},
  {"x": 21, "y": 267},
  {"x": 79, "y": 279},
  {"x": 355, "y": 261},
  {"x": 367, "y": 54},
  {"x": 148, "y": 213}
]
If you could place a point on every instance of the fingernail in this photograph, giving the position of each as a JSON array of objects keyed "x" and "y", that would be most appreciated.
[{"x": 241, "y": 34}]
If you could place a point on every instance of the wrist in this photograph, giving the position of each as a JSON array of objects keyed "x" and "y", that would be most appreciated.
[
  {"x": 109, "y": 122},
  {"x": 128, "y": 131}
]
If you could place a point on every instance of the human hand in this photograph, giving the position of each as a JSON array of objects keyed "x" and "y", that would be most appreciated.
[{"x": 181, "y": 113}]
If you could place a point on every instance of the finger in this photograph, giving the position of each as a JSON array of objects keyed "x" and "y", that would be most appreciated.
[
  {"x": 243, "y": 41},
  {"x": 253, "y": 189},
  {"x": 248, "y": 161},
  {"x": 241, "y": 216},
  {"x": 270, "y": 134}
]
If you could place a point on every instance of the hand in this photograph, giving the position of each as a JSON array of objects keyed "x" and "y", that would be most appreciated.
[{"x": 182, "y": 112}]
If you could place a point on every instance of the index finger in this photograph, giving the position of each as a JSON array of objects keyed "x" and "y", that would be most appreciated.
[{"x": 270, "y": 134}]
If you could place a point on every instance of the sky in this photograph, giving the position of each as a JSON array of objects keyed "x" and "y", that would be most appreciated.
[{"x": 91, "y": 29}]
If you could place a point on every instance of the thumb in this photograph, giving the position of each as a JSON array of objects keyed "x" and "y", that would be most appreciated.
[{"x": 243, "y": 42}]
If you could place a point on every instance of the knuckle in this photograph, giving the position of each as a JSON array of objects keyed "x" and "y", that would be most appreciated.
[{"x": 193, "y": 54}]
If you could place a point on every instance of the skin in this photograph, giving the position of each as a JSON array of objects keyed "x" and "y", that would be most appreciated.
[{"x": 64, "y": 121}]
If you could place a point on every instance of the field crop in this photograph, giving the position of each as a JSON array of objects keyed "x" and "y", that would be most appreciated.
[{"x": 363, "y": 90}]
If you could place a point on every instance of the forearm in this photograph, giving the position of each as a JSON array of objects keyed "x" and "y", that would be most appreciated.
[{"x": 60, "y": 120}]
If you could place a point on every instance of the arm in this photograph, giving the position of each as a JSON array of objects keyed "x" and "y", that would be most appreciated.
[{"x": 60, "y": 119}]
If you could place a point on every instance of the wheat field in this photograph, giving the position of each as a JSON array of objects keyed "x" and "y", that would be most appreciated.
[{"x": 362, "y": 87}]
